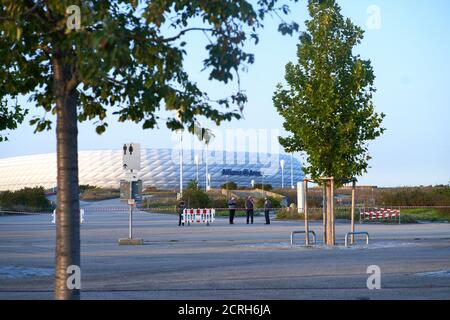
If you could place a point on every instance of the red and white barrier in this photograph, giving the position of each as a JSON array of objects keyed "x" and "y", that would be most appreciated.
[
  {"x": 198, "y": 216},
  {"x": 380, "y": 214}
]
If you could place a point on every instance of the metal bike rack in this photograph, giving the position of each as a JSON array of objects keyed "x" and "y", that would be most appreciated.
[
  {"x": 302, "y": 232},
  {"x": 356, "y": 233}
]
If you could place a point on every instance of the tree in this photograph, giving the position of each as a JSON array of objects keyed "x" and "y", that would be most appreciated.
[
  {"x": 193, "y": 185},
  {"x": 194, "y": 196},
  {"x": 77, "y": 59},
  {"x": 204, "y": 135},
  {"x": 230, "y": 185},
  {"x": 327, "y": 107}
]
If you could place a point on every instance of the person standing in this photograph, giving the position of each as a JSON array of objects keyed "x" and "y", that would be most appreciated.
[
  {"x": 181, "y": 207},
  {"x": 232, "y": 208},
  {"x": 267, "y": 207},
  {"x": 249, "y": 208}
]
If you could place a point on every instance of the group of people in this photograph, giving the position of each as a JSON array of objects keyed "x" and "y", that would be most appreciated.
[
  {"x": 232, "y": 206},
  {"x": 249, "y": 208}
]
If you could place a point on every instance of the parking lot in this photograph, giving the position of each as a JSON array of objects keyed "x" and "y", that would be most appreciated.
[{"x": 224, "y": 261}]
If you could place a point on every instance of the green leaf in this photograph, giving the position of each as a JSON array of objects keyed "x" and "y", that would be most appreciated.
[{"x": 100, "y": 129}]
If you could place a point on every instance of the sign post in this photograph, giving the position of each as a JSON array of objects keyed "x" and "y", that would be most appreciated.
[
  {"x": 131, "y": 163},
  {"x": 130, "y": 205},
  {"x": 300, "y": 197}
]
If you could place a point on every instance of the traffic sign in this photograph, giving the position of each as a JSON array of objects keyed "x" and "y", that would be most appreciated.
[{"x": 131, "y": 157}]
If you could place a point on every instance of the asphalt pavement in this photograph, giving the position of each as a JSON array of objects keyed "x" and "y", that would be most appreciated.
[{"x": 223, "y": 261}]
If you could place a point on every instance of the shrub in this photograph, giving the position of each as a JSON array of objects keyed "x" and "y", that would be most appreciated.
[
  {"x": 28, "y": 199},
  {"x": 425, "y": 196},
  {"x": 274, "y": 202},
  {"x": 195, "y": 198},
  {"x": 230, "y": 186},
  {"x": 218, "y": 203},
  {"x": 98, "y": 194},
  {"x": 266, "y": 187},
  {"x": 149, "y": 189},
  {"x": 85, "y": 187}
]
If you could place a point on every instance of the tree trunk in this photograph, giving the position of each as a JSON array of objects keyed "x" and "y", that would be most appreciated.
[
  {"x": 68, "y": 206},
  {"x": 330, "y": 227},
  {"x": 333, "y": 228},
  {"x": 352, "y": 238},
  {"x": 328, "y": 215},
  {"x": 305, "y": 184},
  {"x": 325, "y": 206}
]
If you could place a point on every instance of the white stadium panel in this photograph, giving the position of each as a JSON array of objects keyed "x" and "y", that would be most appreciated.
[{"x": 159, "y": 168}]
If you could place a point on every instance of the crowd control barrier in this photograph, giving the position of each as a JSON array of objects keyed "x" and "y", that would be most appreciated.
[
  {"x": 380, "y": 215},
  {"x": 198, "y": 216}
]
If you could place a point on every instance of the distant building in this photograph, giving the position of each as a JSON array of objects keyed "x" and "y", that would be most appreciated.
[{"x": 160, "y": 168}]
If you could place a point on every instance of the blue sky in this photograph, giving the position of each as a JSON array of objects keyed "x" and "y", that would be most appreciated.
[{"x": 409, "y": 53}]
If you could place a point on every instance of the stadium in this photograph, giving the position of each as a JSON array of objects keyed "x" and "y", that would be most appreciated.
[{"x": 160, "y": 168}]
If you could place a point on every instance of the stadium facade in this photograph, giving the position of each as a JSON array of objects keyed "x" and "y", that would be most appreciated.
[{"x": 160, "y": 168}]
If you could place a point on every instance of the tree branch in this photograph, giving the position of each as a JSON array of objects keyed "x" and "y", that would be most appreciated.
[
  {"x": 26, "y": 13},
  {"x": 72, "y": 84},
  {"x": 182, "y": 32}
]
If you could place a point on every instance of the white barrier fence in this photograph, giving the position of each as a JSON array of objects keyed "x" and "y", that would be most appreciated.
[{"x": 198, "y": 216}]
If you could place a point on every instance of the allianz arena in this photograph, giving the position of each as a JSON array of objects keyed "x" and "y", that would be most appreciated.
[{"x": 160, "y": 168}]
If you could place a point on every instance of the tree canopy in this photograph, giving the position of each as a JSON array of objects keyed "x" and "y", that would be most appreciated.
[
  {"x": 327, "y": 104},
  {"x": 128, "y": 56}
]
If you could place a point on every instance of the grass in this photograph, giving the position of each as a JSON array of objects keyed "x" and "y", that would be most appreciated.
[
  {"x": 160, "y": 208},
  {"x": 239, "y": 213},
  {"x": 315, "y": 214},
  {"x": 98, "y": 194},
  {"x": 407, "y": 215},
  {"x": 431, "y": 214}
]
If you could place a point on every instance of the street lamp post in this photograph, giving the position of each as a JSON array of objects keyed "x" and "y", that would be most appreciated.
[
  {"x": 207, "y": 175},
  {"x": 204, "y": 135},
  {"x": 262, "y": 186},
  {"x": 181, "y": 163},
  {"x": 197, "y": 160},
  {"x": 226, "y": 184},
  {"x": 292, "y": 172},
  {"x": 179, "y": 118},
  {"x": 282, "y": 163}
]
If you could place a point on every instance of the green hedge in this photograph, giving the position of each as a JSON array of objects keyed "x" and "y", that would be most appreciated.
[
  {"x": 195, "y": 198},
  {"x": 416, "y": 196},
  {"x": 274, "y": 203},
  {"x": 230, "y": 186},
  {"x": 266, "y": 187},
  {"x": 27, "y": 199}
]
